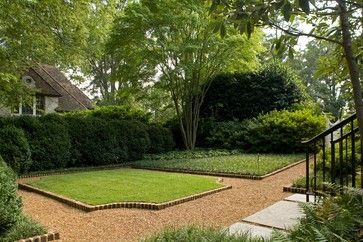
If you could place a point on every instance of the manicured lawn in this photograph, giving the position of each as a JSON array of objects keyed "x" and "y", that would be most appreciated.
[
  {"x": 246, "y": 164},
  {"x": 121, "y": 185}
]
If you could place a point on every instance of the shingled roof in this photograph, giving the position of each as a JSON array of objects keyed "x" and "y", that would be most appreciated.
[{"x": 50, "y": 81}]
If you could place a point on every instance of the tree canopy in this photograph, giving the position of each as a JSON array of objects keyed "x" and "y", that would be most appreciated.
[{"x": 174, "y": 39}]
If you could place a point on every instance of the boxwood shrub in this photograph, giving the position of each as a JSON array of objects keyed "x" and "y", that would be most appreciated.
[
  {"x": 14, "y": 148},
  {"x": 10, "y": 203},
  {"x": 78, "y": 139}
]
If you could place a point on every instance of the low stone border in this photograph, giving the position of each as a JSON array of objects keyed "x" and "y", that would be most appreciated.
[
  {"x": 300, "y": 190},
  {"x": 42, "y": 238},
  {"x": 224, "y": 174},
  {"x": 140, "y": 205},
  {"x": 73, "y": 169}
]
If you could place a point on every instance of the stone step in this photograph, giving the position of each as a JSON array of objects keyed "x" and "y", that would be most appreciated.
[
  {"x": 253, "y": 230},
  {"x": 299, "y": 198},
  {"x": 281, "y": 215}
]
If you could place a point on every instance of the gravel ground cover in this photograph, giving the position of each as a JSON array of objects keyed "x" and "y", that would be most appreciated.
[{"x": 218, "y": 210}]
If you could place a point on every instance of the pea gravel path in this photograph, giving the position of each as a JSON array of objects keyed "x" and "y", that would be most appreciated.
[{"x": 217, "y": 210}]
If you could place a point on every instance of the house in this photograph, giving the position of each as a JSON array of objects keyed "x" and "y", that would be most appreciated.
[{"x": 54, "y": 93}]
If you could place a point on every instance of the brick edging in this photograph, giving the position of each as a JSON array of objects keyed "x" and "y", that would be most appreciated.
[
  {"x": 140, "y": 205},
  {"x": 300, "y": 190},
  {"x": 42, "y": 238},
  {"x": 224, "y": 174}
]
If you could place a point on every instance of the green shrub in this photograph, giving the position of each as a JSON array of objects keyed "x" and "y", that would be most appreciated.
[
  {"x": 50, "y": 144},
  {"x": 161, "y": 139},
  {"x": 227, "y": 135},
  {"x": 10, "y": 203},
  {"x": 114, "y": 113},
  {"x": 283, "y": 131},
  {"x": 25, "y": 227},
  {"x": 246, "y": 95},
  {"x": 335, "y": 218},
  {"x": 14, "y": 149},
  {"x": 200, "y": 234}
]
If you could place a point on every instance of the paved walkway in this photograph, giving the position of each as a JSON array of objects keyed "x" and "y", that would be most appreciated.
[
  {"x": 281, "y": 215},
  {"x": 218, "y": 210}
]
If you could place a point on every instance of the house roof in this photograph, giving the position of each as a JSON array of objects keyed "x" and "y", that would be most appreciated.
[{"x": 50, "y": 81}]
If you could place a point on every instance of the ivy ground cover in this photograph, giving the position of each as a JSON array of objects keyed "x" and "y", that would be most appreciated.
[
  {"x": 125, "y": 185},
  {"x": 244, "y": 164}
]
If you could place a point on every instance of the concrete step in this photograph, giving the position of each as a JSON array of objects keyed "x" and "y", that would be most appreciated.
[
  {"x": 299, "y": 198},
  {"x": 253, "y": 230},
  {"x": 281, "y": 215}
]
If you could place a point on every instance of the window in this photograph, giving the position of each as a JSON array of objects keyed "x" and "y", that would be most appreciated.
[{"x": 37, "y": 107}]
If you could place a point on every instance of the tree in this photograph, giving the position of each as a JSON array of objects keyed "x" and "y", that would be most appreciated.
[
  {"x": 336, "y": 21},
  {"x": 174, "y": 36},
  {"x": 33, "y": 32},
  {"x": 324, "y": 77}
]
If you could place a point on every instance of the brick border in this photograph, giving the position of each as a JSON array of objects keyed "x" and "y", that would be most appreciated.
[
  {"x": 291, "y": 189},
  {"x": 224, "y": 174},
  {"x": 42, "y": 238},
  {"x": 140, "y": 205}
]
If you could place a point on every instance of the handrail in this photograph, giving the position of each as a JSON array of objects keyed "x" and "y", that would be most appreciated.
[
  {"x": 331, "y": 129},
  {"x": 355, "y": 130}
]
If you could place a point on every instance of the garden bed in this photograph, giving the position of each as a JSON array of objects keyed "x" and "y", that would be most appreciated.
[
  {"x": 123, "y": 188},
  {"x": 252, "y": 166}
]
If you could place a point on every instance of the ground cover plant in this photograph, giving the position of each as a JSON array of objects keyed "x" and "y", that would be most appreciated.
[
  {"x": 246, "y": 164},
  {"x": 123, "y": 185},
  {"x": 200, "y": 234}
]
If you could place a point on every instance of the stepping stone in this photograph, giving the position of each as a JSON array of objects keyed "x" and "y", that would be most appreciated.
[
  {"x": 253, "y": 230},
  {"x": 281, "y": 215},
  {"x": 299, "y": 198}
]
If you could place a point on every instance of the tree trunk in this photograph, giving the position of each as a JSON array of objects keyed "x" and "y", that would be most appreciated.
[{"x": 352, "y": 64}]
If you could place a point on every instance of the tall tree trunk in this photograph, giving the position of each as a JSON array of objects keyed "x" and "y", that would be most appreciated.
[{"x": 352, "y": 63}]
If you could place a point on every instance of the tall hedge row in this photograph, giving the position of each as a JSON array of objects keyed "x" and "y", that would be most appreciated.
[{"x": 61, "y": 141}]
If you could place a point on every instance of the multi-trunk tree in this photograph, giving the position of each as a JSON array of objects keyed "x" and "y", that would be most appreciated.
[{"x": 176, "y": 39}]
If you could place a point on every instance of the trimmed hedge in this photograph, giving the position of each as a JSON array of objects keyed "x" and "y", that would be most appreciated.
[
  {"x": 14, "y": 148},
  {"x": 76, "y": 140},
  {"x": 241, "y": 96},
  {"x": 274, "y": 132}
]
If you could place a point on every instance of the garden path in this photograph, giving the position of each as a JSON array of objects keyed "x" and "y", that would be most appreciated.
[{"x": 218, "y": 210}]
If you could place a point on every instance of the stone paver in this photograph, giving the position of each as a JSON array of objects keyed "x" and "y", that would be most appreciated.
[
  {"x": 281, "y": 215},
  {"x": 253, "y": 230},
  {"x": 299, "y": 198}
]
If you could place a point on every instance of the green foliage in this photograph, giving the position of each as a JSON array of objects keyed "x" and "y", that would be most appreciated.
[
  {"x": 200, "y": 234},
  {"x": 24, "y": 227},
  {"x": 192, "y": 154},
  {"x": 50, "y": 145},
  {"x": 14, "y": 148},
  {"x": 161, "y": 139},
  {"x": 283, "y": 131},
  {"x": 228, "y": 135},
  {"x": 246, "y": 95},
  {"x": 119, "y": 112},
  {"x": 235, "y": 163},
  {"x": 335, "y": 218},
  {"x": 10, "y": 203}
]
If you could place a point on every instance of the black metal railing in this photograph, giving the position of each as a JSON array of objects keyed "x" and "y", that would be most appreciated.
[{"x": 334, "y": 156}]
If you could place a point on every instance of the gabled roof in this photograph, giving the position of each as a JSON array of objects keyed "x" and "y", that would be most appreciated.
[{"x": 52, "y": 82}]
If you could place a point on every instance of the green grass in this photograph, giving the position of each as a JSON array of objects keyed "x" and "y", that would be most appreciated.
[
  {"x": 246, "y": 164},
  {"x": 122, "y": 185}
]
